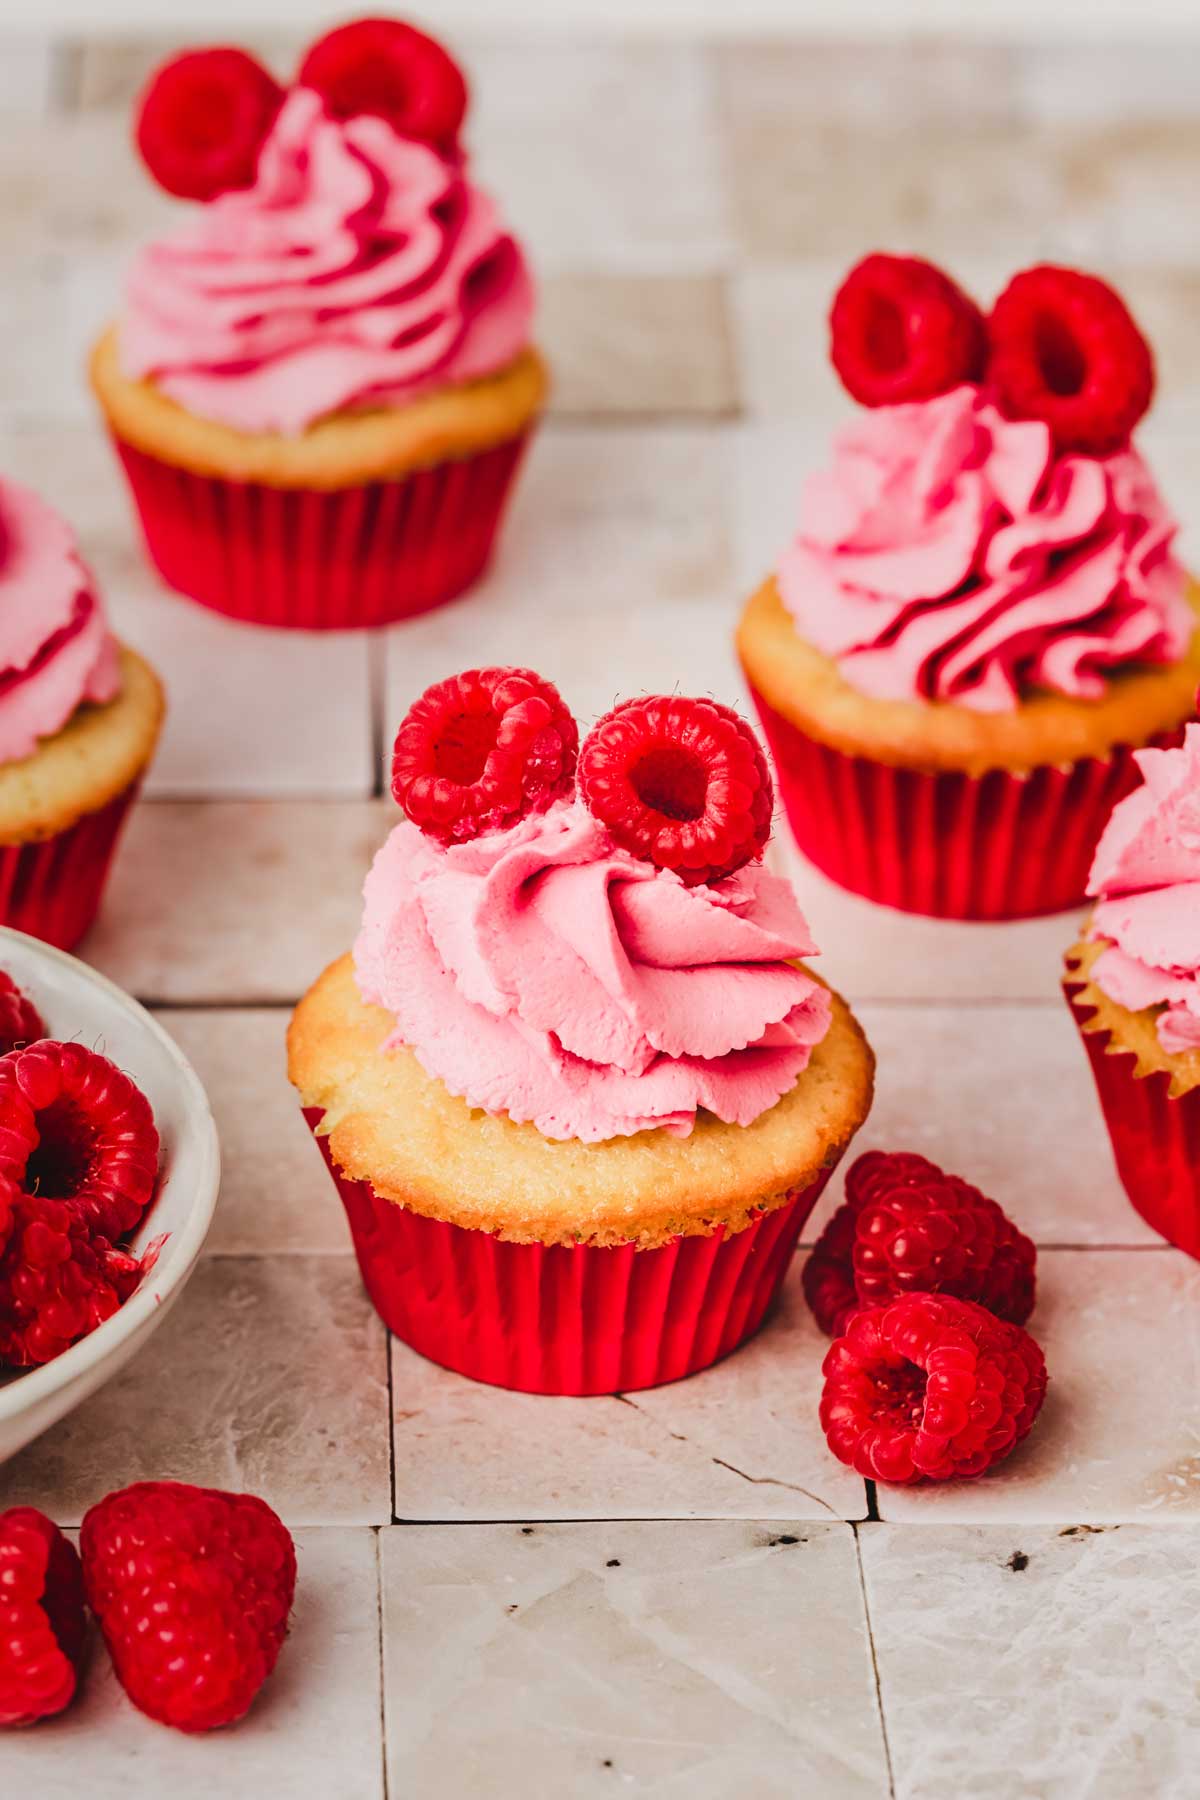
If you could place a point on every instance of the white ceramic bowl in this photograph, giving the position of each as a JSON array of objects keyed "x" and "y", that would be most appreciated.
[{"x": 76, "y": 1003}]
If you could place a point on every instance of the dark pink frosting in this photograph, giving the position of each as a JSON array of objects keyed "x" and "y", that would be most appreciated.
[
  {"x": 361, "y": 268},
  {"x": 56, "y": 650},
  {"x": 950, "y": 554},
  {"x": 546, "y": 974}
]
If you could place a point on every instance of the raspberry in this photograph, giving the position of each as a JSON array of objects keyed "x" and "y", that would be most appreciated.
[
  {"x": 682, "y": 783},
  {"x": 478, "y": 751},
  {"x": 1065, "y": 348},
  {"x": 58, "y": 1281},
  {"x": 42, "y": 1618},
  {"x": 929, "y": 1388},
  {"x": 73, "y": 1127},
  {"x": 20, "y": 1021},
  {"x": 192, "y": 1588},
  {"x": 900, "y": 330},
  {"x": 907, "y": 1227},
  {"x": 388, "y": 68},
  {"x": 202, "y": 120}
]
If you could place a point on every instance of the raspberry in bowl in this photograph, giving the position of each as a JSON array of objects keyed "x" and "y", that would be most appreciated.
[
  {"x": 80, "y": 716},
  {"x": 981, "y": 617},
  {"x": 108, "y": 1179},
  {"x": 576, "y": 1089},
  {"x": 321, "y": 387},
  {"x": 1133, "y": 984}
]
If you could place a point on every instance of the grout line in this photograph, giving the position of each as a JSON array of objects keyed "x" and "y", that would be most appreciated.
[
  {"x": 391, "y": 1421},
  {"x": 179, "y": 1006},
  {"x": 883, "y": 1730},
  {"x": 66, "y": 75},
  {"x": 383, "y": 1748},
  {"x": 872, "y": 1503},
  {"x": 377, "y": 658}
]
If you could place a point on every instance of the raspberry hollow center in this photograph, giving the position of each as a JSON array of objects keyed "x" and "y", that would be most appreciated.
[
  {"x": 886, "y": 335},
  {"x": 65, "y": 1157},
  {"x": 899, "y": 1395},
  {"x": 671, "y": 781},
  {"x": 1060, "y": 357},
  {"x": 463, "y": 746}
]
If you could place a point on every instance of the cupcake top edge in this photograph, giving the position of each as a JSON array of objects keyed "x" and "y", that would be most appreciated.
[
  {"x": 1145, "y": 881},
  {"x": 56, "y": 649},
  {"x": 986, "y": 528},
  {"x": 589, "y": 942},
  {"x": 341, "y": 259}
]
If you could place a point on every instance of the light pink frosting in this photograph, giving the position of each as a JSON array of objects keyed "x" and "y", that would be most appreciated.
[
  {"x": 547, "y": 974},
  {"x": 949, "y": 554},
  {"x": 1146, "y": 877},
  {"x": 360, "y": 269},
  {"x": 55, "y": 647}
]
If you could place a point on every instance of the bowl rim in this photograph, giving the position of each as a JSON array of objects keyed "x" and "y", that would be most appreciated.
[{"x": 36, "y": 1385}]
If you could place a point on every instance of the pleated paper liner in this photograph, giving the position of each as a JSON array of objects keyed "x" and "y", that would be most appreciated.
[
  {"x": 1155, "y": 1139},
  {"x": 323, "y": 561},
  {"x": 52, "y": 889},
  {"x": 954, "y": 846},
  {"x": 556, "y": 1319}
]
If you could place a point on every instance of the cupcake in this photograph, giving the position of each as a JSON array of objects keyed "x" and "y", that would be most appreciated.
[
  {"x": 981, "y": 616},
  {"x": 322, "y": 385},
  {"x": 1133, "y": 983},
  {"x": 576, "y": 1091},
  {"x": 79, "y": 719}
]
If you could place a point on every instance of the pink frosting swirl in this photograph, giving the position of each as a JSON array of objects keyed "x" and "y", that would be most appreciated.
[
  {"x": 547, "y": 974},
  {"x": 360, "y": 269},
  {"x": 55, "y": 647},
  {"x": 949, "y": 554},
  {"x": 1146, "y": 878}
]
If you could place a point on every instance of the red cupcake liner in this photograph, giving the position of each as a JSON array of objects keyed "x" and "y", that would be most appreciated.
[
  {"x": 954, "y": 846},
  {"x": 1155, "y": 1138},
  {"x": 52, "y": 889},
  {"x": 559, "y": 1319},
  {"x": 323, "y": 561}
]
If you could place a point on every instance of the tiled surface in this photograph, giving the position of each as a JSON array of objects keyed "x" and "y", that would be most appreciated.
[{"x": 716, "y": 1633}]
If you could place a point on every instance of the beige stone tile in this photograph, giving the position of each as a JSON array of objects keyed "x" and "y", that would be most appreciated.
[
  {"x": 70, "y": 462},
  {"x": 1098, "y": 80},
  {"x": 27, "y": 75},
  {"x": 275, "y": 1193},
  {"x": 1135, "y": 179},
  {"x": 614, "y": 576},
  {"x": 113, "y": 69},
  {"x": 739, "y": 1441},
  {"x": 74, "y": 182},
  {"x": 1119, "y": 1436},
  {"x": 242, "y": 901},
  {"x": 269, "y": 1377},
  {"x": 1036, "y": 1662},
  {"x": 1003, "y": 1096},
  {"x": 703, "y": 1660},
  {"x": 559, "y": 130},
  {"x": 632, "y": 345},
  {"x": 298, "y": 703},
  {"x": 327, "y": 1674}
]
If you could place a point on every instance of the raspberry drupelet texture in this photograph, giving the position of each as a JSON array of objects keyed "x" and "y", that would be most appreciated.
[
  {"x": 42, "y": 1618},
  {"x": 202, "y": 120},
  {"x": 908, "y": 1227},
  {"x": 682, "y": 783},
  {"x": 929, "y": 1388},
  {"x": 389, "y": 68},
  {"x": 478, "y": 751},
  {"x": 75, "y": 1128},
  {"x": 193, "y": 1589},
  {"x": 1064, "y": 348},
  {"x": 58, "y": 1278},
  {"x": 900, "y": 330},
  {"x": 20, "y": 1021}
]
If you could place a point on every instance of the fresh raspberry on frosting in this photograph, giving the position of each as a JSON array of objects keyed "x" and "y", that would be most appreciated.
[
  {"x": 20, "y": 1021},
  {"x": 907, "y": 1227},
  {"x": 390, "y": 69},
  {"x": 202, "y": 120},
  {"x": 75, "y": 1128},
  {"x": 901, "y": 330},
  {"x": 1063, "y": 347},
  {"x": 477, "y": 752},
  {"x": 193, "y": 1589},
  {"x": 683, "y": 783},
  {"x": 43, "y": 1624},
  {"x": 58, "y": 1280},
  {"x": 930, "y": 1388}
]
